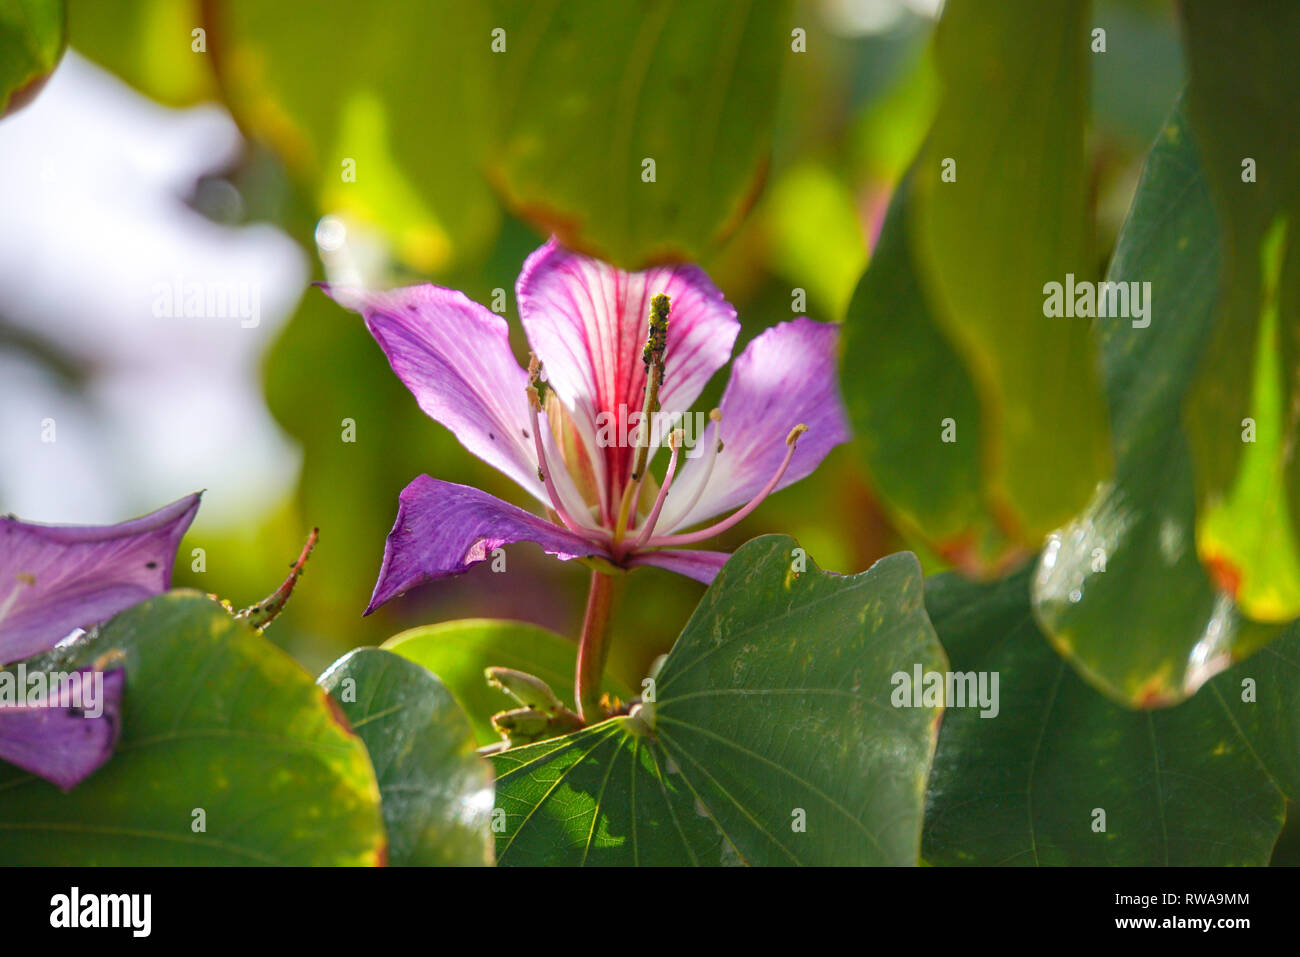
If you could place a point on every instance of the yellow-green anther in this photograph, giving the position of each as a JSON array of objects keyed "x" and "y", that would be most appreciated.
[
  {"x": 657, "y": 342},
  {"x": 656, "y": 346},
  {"x": 528, "y": 690},
  {"x": 537, "y": 388}
]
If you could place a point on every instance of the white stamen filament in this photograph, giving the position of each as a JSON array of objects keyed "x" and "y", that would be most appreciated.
[
  {"x": 690, "y": 538},
  {"x": 714, "y": 448},
  {"x": 675, "y": 442},
  {"x": 544, "y": 472}
]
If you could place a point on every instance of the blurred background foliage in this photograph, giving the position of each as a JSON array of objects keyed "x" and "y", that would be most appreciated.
[{"x": 796, "y": 145}]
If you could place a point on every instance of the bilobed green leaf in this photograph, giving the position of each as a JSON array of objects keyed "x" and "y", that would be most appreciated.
[
  {"x": 216, "y": 720},
  {"x": 773, "y": 738},
  {"x": 1244, "y": 107},
  {"x": 1203, "y": 783},
  {"x": 437, "y": 793},
  {"x": 588, "y": 93},
  {"x": 459, "y": 651},
  {"x": 896, "y": 358},
  {"x": 1010, "y": 126},
  {"x": 32, "y": 36},
  {"x": 1119, "y": 590}
]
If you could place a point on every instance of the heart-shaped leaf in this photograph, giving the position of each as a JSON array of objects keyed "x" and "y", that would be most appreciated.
[
  {"x": 230, "y": 754},
  {"x": 772, "y": 737},
  {"x": 437, "y": 793}
]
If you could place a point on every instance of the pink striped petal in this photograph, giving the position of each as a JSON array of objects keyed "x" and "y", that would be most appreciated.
[
  {"x": 785, "y": 377},
  {"x": 587, "y": 321}
]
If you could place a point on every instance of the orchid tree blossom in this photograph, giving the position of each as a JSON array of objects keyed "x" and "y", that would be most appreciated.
[
  {"x": 618, "y": 360},
  {"x": 55, "y": 579}
]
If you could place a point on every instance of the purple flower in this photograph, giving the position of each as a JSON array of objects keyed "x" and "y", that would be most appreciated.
[
  {"x": 612, "y": 350},
  {"x": 54, "y": 579}
]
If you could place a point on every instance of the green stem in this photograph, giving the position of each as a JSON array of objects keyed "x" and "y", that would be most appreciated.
[{"x": 594, "y": 647}]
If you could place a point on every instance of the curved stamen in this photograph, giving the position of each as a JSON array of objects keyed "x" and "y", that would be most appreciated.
[
  {"x": 544, "y": 473},
  {"x": 675, "y": 442},
  {"x": 690, "y": 538},
  {"x": 653, "y": 357},
  {"x": 680, "y": 513},
  {"x": 543, "y": 467}
]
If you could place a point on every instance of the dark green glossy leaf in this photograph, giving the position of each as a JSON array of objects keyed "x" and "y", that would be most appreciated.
[
  {"x": 217, "y": 720},
  {"x": 1012, "y": 120},
  {"x": 774, "y": 739},
  {"x": 1244, "y": 105},
  {"x": 437, "y": 793},
  {"x": 1202, "y": 783},
  {"x": 459, "y": 651},
  {"x": 32, "y": 35}
]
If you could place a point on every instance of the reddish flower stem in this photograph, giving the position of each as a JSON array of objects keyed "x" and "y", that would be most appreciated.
[{"x": 593, "y": 648}]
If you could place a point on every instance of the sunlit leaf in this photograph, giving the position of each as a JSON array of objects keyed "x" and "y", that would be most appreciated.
[
  {"x": 1244, "y": 419},
  {"x": 916, "y": 413},
  {"x": 160, "y": 47},
  {"x": 459, "y": 651},
  {"x": 1013, "y": 218},
  {"x": 383, "y": 109}
]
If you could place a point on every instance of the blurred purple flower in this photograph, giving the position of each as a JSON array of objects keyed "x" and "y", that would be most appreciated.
[
  {"x": 54, "y": 579},
  {"x": 566, "y": 430}
]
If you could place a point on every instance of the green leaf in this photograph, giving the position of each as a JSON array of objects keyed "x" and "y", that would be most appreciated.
[
  {"x": 1015, "y": 218},
  {"x": 773, "y": 738},
  {"x": 896, "y": 357},
  {"x": 218, "y": 720},
  {"x": 383, "y": 110},
  {"x": 1120, "y": 590},
  {"x": 1202, "y": 783},
  {"x": 32, "y": 36},
  {"x": 437, "y": 793},
  {"x": 458, "y": 652},
  {"x": 1244, "y": 103},
  {"x": 150, "y": 44},
  {"x": 587, "y": 94}
]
